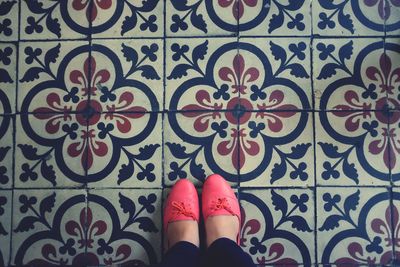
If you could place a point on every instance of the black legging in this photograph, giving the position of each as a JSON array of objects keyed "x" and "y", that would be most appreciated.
[{"x": 222, "y": 252}]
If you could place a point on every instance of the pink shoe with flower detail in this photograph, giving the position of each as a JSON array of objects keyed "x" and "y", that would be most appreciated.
[{"x": 218, "y": 198}]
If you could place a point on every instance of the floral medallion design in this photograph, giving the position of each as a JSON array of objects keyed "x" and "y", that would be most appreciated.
[
  {"x": 239, "y": 106},
  {"x": 275, "y": 231},
  {"x": 365, "y": 116},
  {"x": 66, "y": 18},
  {"x": 84, "y": 99},
  {"x": 69, "y": 233},
  {"x": 367, "y": 240}
]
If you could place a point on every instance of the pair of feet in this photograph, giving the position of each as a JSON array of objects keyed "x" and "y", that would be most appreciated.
[{"x": 220, "y": 208}]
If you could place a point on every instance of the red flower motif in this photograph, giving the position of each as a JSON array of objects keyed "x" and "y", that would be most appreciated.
[
  {"x": 355, "y": 111},
  {"x": 90, "y": 77},
  {"x": 238, "y": 75},
  {"x": 238, "y": 6},
  {"x": 86, "y": 147},
  {"x": 386, "y": 76},
  {"x": 86, "y": 229},
  {"x": 381, "y": 227},
  {"x": 383, "y": 6},
  {"x": 91, "y": 16},
  {"x": 358, "y": 257}
]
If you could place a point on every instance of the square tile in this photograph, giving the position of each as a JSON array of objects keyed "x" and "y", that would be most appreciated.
[
  {"x": 266, "y": 18},
  {"x": 354, "y": 226},
  {"x": 198, "y": 144},
  {"x": 348, "y": 18},
  {"x": 276, "y": 149},
  {"x": 5, "y": 226},
  {"x": 351, "y": 148},
  {"x": 129, "y": 223},
  {"x": 50, "y": 227},
  {"x": 8, "y": 77},
  {"x": 50, "y": 150},
  {"x": 278, "y": 226},
  {"x": 392, "y": 18},
  {"x": 395, "y": 225},
  {"x": 126, "y": 69},
  {"x": 275, "y": 74},
  {"x": 116, "y": 19},
  {"x": 394, "y": 146},
  {"x": 6, "y": 150},
  {"x": 125, "y": 150},
  {"x": 200, "y": 74},
  {"x": 54, "y": 77},
  {"x": 9, "y": 20},
  {"x": 43, "y": 19},
  {"x": 199, "y": 18},
  {"x": 348, "y": 74},
  {"x": 392, "y": 72}
]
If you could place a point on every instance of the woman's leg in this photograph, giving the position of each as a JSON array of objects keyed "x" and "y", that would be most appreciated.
[
  {"x": 182, "y": 254},
  {"x": 225, "y": 252}
]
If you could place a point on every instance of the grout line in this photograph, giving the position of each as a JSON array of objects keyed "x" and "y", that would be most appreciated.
[
  {"x": 163, "y": 161},
  {"x": 314, "y": 189},
  {"x": 392, "y": 225}
]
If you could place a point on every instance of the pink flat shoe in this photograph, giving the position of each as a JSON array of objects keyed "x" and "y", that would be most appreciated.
[
  {"x": 182, "y": 203},
  {"x": 218, "y": 198}
]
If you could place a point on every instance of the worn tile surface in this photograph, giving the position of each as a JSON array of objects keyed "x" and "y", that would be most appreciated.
[{"x": 104, "y": 105}]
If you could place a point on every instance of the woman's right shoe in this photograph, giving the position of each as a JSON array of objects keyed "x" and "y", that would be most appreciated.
[
  {"x": 182, "y": 203},
  {"x": 218, "y": 198}
]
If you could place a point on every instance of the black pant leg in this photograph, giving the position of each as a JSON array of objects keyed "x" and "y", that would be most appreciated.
[
  {"x": 182, "y": 254},
  {"x": 225, "y": 252}
]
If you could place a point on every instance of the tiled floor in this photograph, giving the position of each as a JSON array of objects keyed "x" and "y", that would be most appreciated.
[{"x": 105, "y": 104}]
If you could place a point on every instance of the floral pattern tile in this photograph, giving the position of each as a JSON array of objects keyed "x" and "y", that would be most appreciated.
[
  {"x": 9, "y": 20},
  {"x": 392, "y": 15},
  {"x": 55, "y": 77},
  {"x": 199, "y": 17},
  {"x": 8, "y": 79},
  {"x": 355, "y": 226},
  {"x": 125, "y": 150},
  {"x": 104, "y": 105},
  {"x": 200, "y": 74},
  {"x": 353, "y": 152},
  {"x": 49, "y": 227},
  {"x": 274, "y": 17},
  {"x": 350, "y": 18},
  {"x": 198, "y": 144},
  {"x": 127, "y": 70},
  {"x": 51, "y": 20},
  {"x": 275, "y": 74},
  {"x": 50, "y": 151},
  {"x": 275, "y": 151},
  {"x": 278, "y": 226},
  {"x": 5, "y": 226},
  {"x": 350, "y": 74},
  {"x": 112, "y": 19},
  {"x": 129, "y": 223},
  {"x": 6, "y": 150}
]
